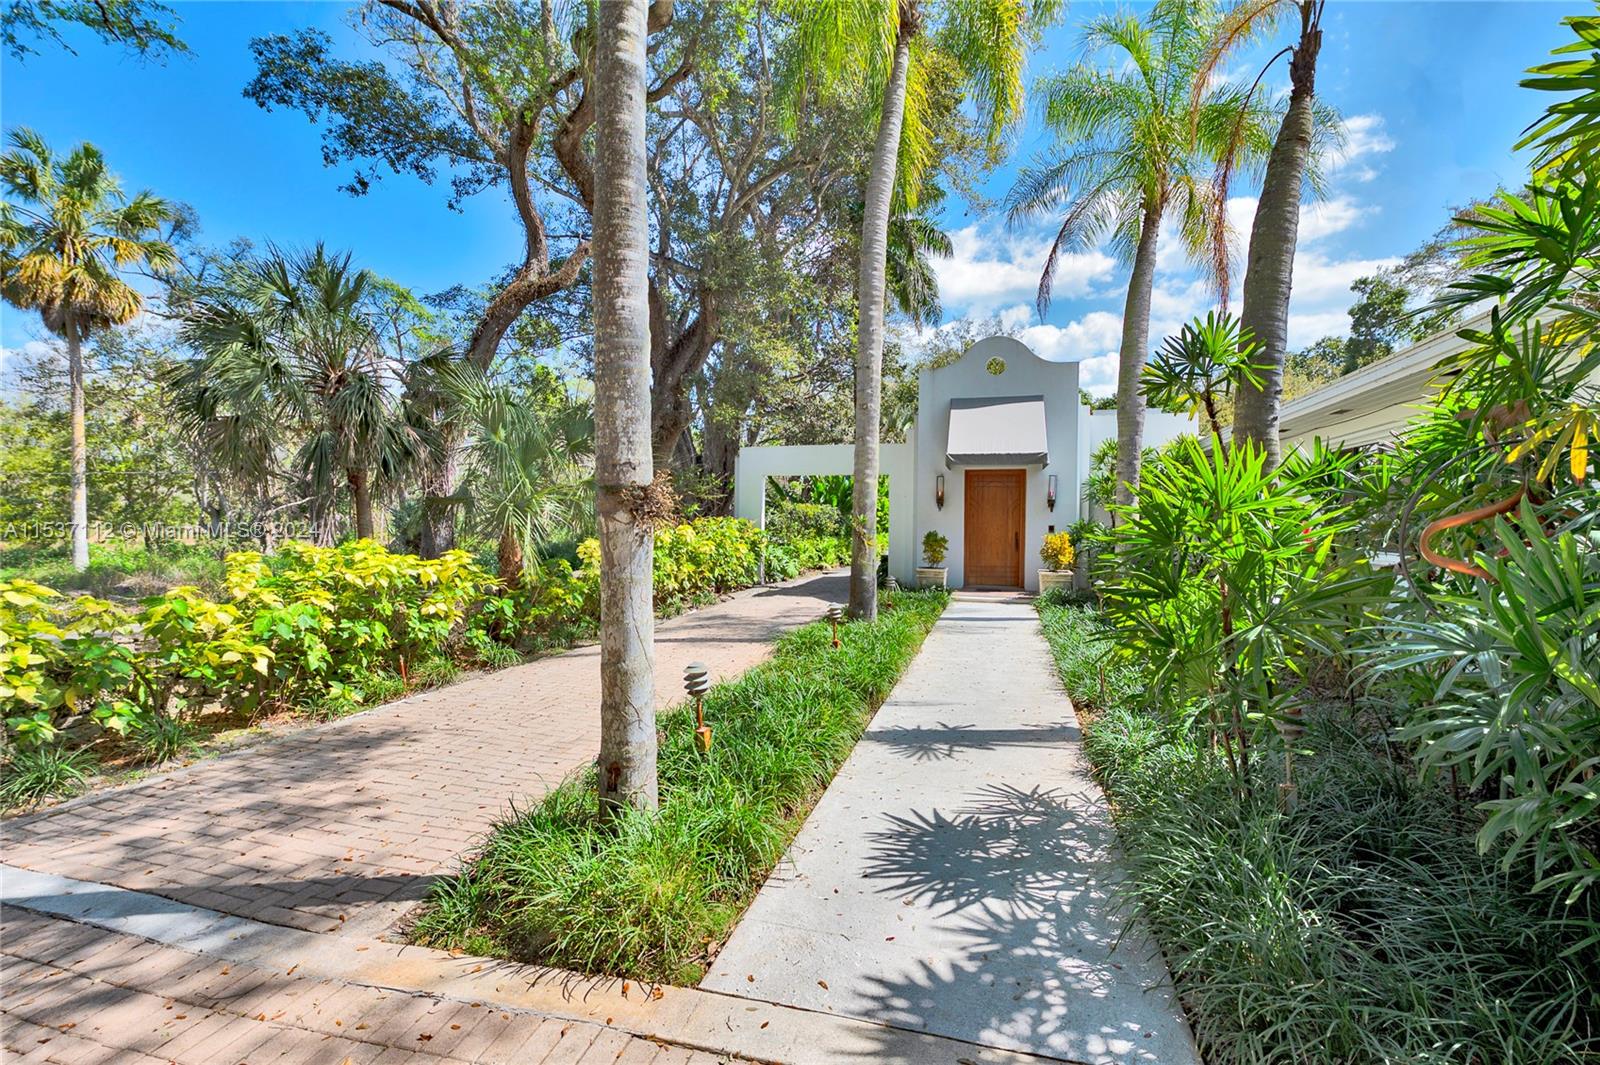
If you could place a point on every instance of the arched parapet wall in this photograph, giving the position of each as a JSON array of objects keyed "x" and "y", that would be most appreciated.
[{"x": 1021, "y": 373}]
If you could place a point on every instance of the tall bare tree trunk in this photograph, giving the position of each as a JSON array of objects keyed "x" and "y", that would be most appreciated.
[
  {"x": 361, "y": 494},
  {"x": 80, "y": 447},
  {"x": 869, "y": 353},
  {"x": 1130, "y": 361},
  {"x": 1269, "y": 273},
  {"x": 623, "y": 467}
]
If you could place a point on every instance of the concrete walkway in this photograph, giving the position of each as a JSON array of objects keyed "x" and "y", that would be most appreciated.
[{"x": 956, "y": 877}]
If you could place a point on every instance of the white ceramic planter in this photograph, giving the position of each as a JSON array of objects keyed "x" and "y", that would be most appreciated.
[
  {"x": 1051, "y": 579},
  {"x": 932, "y": 576}
]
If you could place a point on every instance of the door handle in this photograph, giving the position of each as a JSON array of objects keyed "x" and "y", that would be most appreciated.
[{"x": 1016, "y": 540}]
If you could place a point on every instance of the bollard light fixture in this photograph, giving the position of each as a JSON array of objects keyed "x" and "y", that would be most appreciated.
[
  {"x": 890, "y": 586},
  {"x": 938, "y": 491},
  {"x": 696, "y": 682},
  {"x": 835, "y": 615}
]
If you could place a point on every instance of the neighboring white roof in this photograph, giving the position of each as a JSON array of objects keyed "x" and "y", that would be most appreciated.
[{"x": 1371, "y": 405}]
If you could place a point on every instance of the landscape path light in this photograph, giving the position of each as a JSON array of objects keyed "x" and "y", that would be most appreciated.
[
  {"x": 696, "y": 682},
  {"x": 835, "y": 613}
]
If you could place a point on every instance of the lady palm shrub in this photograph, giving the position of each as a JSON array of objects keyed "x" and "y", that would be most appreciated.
[
  {"x": 1511, "y": 671},
  {"x": 1226, "y": 579}
]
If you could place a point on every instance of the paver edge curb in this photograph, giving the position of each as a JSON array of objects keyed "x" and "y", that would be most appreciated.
[{"x": 551, "y": 993}]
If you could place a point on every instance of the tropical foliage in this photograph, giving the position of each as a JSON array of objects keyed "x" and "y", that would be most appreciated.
[
  {"x": 298, "y": 342},
  {"x": 67, "y": 232},
  {"x": 1346, "y": 707},
  {"x": 1134, "y": 147},
  {"x": 323, "y": 630}
]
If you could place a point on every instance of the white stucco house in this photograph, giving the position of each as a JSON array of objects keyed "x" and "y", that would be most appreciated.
[{"x": 997, "y": 458}]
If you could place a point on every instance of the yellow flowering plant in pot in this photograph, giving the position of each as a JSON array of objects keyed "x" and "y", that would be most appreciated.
[{"x": 1057, "y": 554}]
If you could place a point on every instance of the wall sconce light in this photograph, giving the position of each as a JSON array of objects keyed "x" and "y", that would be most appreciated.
[
  {"x": 1050, "y": 493},
  {"x": 938, "y": 491}
]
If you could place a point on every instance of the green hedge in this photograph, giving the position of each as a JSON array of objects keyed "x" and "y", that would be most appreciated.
[
  {"x": 643, "y": 898},
  {"x": 788, "y": 522}
]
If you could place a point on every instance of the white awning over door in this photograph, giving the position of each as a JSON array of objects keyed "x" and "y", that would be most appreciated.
[{"x": 997, "y": 431}]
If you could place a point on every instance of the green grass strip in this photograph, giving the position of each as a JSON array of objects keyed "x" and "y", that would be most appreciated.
[{"x": 652, "y": 896}]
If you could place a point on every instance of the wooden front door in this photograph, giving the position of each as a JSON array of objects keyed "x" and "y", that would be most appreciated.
[{"x": 994, "y": 527}]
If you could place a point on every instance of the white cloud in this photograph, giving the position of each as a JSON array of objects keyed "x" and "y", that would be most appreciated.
[
  {"x": 31, "y": 349},
  {"x": 1317, "y": 220},
  {"x": 996, "y": 273},
  {"x": 1083, "y": 338},
  {"x": 1016, "y": 317},
  {"x": 1320, "y": 280},
  {"x": 991, "y": 269},
  {"x": 1364, "y": 136}
]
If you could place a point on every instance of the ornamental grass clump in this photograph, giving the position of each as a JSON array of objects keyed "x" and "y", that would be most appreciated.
[{"x": 652, "y": 897}]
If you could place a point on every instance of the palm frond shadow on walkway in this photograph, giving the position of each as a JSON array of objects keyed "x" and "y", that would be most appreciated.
[{"x": 932, "y": 743}]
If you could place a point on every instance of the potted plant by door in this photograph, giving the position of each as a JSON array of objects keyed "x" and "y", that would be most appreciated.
[
  {"x": 934, "y": 574},
  {"x": 1057, "y": 556}
]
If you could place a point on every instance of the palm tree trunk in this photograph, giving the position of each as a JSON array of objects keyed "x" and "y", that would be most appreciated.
[
  {"x": 869, "y": 353},
  {"x": 1269, "y": 274},
  {"x": 508, "y": 557},
  {"x": 623, "y": 466},
  {"x": 1130, "y": 362},
  {"x": 438, "y": 483},
  {"x": 361, "y": 494},
  {"x": 80, "y": 448}
]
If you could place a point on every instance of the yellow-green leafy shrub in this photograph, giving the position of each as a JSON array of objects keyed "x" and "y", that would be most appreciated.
[
  {"x": 376, "y": 607},
  {"x": 321, "y": 628},
  {"x": 696, "y": 560},
  {"x": 58, "y": 658}
]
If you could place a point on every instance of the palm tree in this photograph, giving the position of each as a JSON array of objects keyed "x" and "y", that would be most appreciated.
[
  {"x": 527, "y": 463},
  {"x": 624, "y": 470},
  {"x": 1133, "y": 148},
  {"x": 66, "y": 229},
  {"x": 1269, "y": 271},
  {"x": 878, "y": 49},
  {"x": 915, "y": 239},
  {"x": 291, "y": 344},
  {"x": 1199, "y": 366}
]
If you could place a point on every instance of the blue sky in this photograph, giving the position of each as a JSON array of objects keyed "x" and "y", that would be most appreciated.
[{"x": 1429, "y": 90}]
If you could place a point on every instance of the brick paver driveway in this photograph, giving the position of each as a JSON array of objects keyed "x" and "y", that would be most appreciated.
[{"x": 341, "y": 827}]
